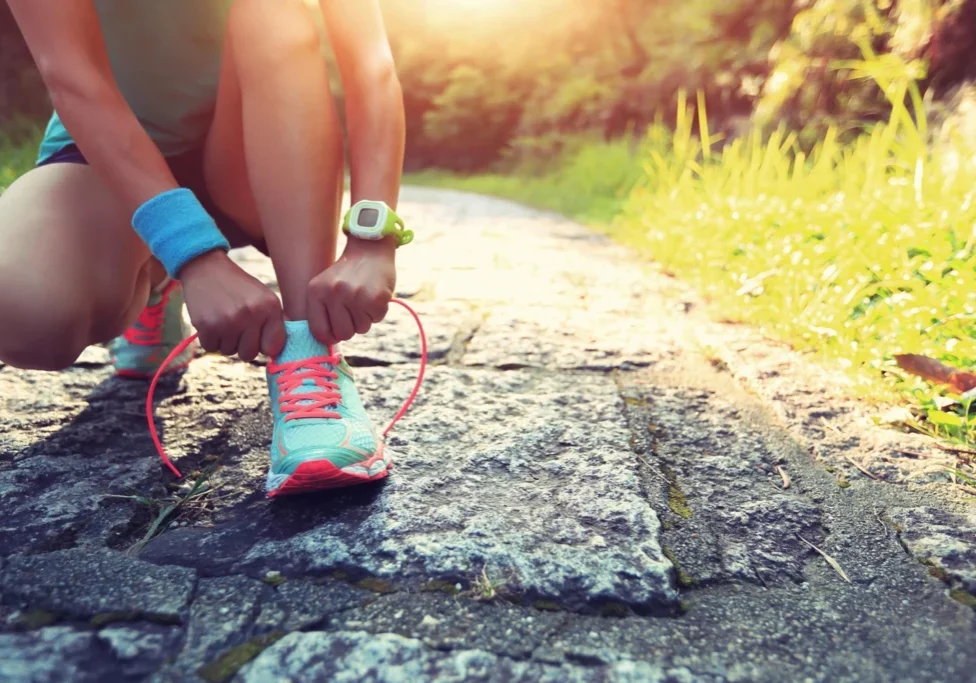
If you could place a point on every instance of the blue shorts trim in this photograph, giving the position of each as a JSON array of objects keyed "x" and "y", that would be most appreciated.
[{"x": 66, "y": 155}]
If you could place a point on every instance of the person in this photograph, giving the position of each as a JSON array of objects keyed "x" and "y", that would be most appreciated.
[{"x": 183, "y": 129}]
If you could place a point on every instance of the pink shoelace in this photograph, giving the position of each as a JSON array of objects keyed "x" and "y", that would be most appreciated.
[
  {"x": 308, "y": 404},
  {"x": 148, "y": 330}
]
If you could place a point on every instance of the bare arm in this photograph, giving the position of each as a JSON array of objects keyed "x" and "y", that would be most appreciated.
[
  {"x": 374, "y": 100},
  {"x": 66, "y": 42}
]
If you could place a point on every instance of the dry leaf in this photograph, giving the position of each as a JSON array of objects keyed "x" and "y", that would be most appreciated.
[
  {"x": 968, "y": 489},
  {"x": 935, "y": 371},
  {"x": 831, "y": 561}
]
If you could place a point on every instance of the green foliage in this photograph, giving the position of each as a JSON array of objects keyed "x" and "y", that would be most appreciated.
[
  {"x": 18, "y": 150},
  {"x": 810, "y": 87},
  {"x": 611, "y": 68},
  {"x": 21, "y": 90},
  {"x": 480, "y": 96},
  {"x": 471, "y": 117}
]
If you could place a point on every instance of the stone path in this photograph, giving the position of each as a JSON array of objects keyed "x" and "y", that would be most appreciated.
[{"x": 583, "y": 492}]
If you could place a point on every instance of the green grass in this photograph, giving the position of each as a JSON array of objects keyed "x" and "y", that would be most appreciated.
[
  {"x": 590, "y": 184},
  {"x": 192, "y": 499},
  {"x": 18, "y": 150},
  {"x": 852, "y": 253}
]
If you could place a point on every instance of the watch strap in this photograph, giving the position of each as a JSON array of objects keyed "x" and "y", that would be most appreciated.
[{"x": 393, "y": 226}]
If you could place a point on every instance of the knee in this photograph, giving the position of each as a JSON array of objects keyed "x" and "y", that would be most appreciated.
[
  {"x": 37, "y": 335},
  {"x": 273, "y": 31}
]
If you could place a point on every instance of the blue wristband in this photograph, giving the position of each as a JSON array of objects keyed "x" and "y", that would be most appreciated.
[{"x": 177, "y": 229}]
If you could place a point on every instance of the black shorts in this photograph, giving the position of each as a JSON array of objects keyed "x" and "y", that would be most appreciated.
[{"x": 187, "y": 168}]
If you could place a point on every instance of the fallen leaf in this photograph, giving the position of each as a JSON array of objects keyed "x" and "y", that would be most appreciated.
[
  {"x": 936, "y": 371},
  {"x": 831, "y": 561}
]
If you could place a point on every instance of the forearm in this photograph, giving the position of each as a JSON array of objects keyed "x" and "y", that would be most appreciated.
[
  {"x": 112, "y": 140},
  {"x": 374, "y": 111},
  {"x": 171, "y": 221},
  {"x": 66, "y": 42}
]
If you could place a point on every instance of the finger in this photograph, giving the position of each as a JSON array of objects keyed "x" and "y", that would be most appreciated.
[
  {"x": 318, "y": 320},
  {"x": 273, "y": 335},
  {"x": 208, "y": 340},
  {"x": 250, "y": 342},
  {"x": 341, "y": 322},
  {"x": 230, "y": 337},
  {"x": 361, "y": 321},
  {"x": 377, "y": 312}
]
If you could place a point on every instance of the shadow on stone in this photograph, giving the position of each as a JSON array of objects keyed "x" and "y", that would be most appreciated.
[
  {"x": 219, "y": 550},
  {"x": 55, "y": 490}
]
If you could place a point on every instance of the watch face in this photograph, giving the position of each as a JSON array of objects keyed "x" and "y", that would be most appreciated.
[{"x": 368, "y": 218}]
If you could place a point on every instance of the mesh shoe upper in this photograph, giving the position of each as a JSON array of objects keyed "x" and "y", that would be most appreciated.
[
  {"x": 331, "y": 423},
  {"x": 159, "y": 329}
]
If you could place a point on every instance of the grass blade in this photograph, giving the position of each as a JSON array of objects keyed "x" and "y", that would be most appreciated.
[{"x": 831, "y": 561}]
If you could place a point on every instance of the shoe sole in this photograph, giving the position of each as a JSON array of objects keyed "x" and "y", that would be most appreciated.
[
  {"x": 322, "y": 475},
  {"x": 135, "y": 374}
]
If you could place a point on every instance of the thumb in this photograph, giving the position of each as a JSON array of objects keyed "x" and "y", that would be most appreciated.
[
  {"x": 318, "y": 320},
  {"x": 273, "y": 334}
]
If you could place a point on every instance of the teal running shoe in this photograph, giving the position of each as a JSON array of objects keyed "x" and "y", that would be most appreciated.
[
  {"x": 160, "y": 328},
  {"x": 322, "y": 437}
]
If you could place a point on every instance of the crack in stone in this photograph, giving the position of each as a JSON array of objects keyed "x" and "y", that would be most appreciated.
[
  {"x": 366, "y": 362},
  {"x": 320, "y": 654},
  {"x": 715, "y": 527}
]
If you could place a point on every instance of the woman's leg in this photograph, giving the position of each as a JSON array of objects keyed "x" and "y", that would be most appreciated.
[
  {"x": 273, "y": 159},
  {"x": 273, "y": 162},
  {"x": 72, "y": 270}
]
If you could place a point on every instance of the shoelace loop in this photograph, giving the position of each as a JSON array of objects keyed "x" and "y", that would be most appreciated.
[
  {"x": 313, "y": 403},
  {"x": 298, "y": 397}
]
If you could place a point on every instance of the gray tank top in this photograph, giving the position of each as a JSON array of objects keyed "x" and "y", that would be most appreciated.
[{"x": 165, "y": 56}]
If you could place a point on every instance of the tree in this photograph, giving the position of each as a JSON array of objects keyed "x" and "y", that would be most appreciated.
[{"x": 22, "y": 93}]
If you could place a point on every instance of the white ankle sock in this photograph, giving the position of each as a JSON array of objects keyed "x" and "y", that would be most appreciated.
[{"x": 162, "y": 285}]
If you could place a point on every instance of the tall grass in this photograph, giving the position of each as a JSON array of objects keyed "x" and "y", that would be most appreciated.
[{"x": 855, "y": 252}]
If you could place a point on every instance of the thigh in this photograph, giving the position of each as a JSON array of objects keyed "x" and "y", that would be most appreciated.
[{"x": 66, "y": 246}]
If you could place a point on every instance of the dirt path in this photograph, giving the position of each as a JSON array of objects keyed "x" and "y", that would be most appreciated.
[{"x": 591, "y": 487}]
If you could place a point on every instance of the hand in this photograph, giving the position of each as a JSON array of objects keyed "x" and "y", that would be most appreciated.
[
  {"x": 355, "y": 292},
  {"x": 232, "y": 311}
]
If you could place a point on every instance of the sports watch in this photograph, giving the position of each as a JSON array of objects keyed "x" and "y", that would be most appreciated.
[{"x": 369, "y": 220}]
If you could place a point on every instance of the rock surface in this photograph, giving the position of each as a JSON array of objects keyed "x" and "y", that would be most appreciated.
[
  {"x": 358, "y": 656},
  {"x": 90, "y": 582},
  {"x": 582, "y": 492}
]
